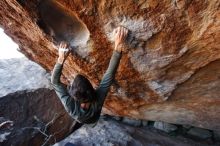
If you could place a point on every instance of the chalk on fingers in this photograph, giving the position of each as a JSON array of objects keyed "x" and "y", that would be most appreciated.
[{"x": 63, "y": 49}]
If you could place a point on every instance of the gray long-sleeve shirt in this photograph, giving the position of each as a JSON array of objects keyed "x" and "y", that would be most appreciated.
[{"x": 92, "y": 114}]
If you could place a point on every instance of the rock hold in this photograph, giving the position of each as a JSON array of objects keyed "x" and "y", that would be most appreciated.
[{"x": 166, "y": 127}]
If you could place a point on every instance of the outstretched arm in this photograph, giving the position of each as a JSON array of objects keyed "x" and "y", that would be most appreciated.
[
  {"x": 102, "y": 90},
  {"x": 59, "y": 87}
]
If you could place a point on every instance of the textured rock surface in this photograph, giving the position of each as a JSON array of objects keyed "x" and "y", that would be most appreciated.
[
  {"x": 173, "y": 53},
  {"x": 19, "y": 74},
  {"x": 37, "y": 117},
  {"x": 30, "y": 112},
  {"x": 108, "y": 133}
]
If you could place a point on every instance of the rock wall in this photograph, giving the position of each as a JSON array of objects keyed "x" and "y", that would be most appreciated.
[{"x": 170, "y": 71}]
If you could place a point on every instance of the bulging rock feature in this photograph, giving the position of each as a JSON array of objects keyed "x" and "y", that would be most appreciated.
[{"x": 62, "y": 25}]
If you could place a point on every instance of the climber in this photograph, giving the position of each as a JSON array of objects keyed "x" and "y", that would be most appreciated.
[{"x": 81, "y": 100}]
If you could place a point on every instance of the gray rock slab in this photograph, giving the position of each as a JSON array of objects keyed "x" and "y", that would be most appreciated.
[
  {"x": 144, "y": 123},
  {"x": 19, "y": 74},
  {"x": 132, "y": 122},
  {"x": 114, "y": 133},
  {"x": 200, "y": 133},
  {"x": 166, "y": 127}
]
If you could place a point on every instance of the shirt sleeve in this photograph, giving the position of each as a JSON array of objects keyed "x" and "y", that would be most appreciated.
[
  {"x": 108, "y": 77},
  {"x": 61, "y": 89}
]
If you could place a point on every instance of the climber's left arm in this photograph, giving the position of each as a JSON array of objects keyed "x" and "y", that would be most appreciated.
[
  {"x": 102, "y": 90},
  {"x": 108, "y": 77}
]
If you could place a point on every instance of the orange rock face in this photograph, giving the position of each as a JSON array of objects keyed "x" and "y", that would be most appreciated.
[{"x": 170, "y": 71}]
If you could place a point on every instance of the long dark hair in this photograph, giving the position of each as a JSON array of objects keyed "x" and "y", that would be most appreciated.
[{"x": 81, "y": 89}]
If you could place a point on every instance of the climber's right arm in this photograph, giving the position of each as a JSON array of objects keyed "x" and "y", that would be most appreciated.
[{"x": 59, "y": 87}]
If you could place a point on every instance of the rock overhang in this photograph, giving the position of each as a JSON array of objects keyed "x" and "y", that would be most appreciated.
[{"x": 172, "y": 44}]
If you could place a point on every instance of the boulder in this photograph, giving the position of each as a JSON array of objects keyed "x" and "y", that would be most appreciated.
[
  {"x": 37, "y": 116},
  {"x": 31, "y": 113},
  {"x": 144, "y": 123},
  {"x": 169, "y": 71},
  {"x": 132, "y": 122},
  {"x": 166, "y": 127},
  {"x": 200, "y": 133},
  {"x": 110, "y": 132},
  {"x": 18, "y": 74}
]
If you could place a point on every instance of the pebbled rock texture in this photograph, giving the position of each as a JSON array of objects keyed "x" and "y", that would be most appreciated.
[{"x": 170, "y": 71}]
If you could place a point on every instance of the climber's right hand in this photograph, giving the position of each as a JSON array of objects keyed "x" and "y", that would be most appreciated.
[
  {"x": 63, "y": 52},
  {"x": 120, "y": 37}
]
